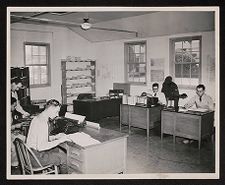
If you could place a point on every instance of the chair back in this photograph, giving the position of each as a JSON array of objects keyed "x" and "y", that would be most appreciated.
[{"x": 24, "y": 154}]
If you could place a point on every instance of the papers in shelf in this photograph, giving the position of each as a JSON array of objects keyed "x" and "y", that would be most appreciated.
[
  {"x": 82, "y": 139},
  {"x": 77, "y": 117},
  {"x": 198, "y": 109}
]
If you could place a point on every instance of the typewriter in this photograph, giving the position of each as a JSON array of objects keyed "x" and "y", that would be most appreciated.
[{"x": 66, "y": 125}]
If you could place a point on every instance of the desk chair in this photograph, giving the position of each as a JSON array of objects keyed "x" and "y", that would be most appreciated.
[{"x": 24, "y": 155}]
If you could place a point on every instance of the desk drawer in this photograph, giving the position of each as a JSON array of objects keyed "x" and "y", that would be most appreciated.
[
  {"x": 75, "y": 153},
  {"x": 75, "y": 165}
]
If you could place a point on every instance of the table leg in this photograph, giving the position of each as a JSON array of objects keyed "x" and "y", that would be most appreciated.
[
  {"x": 147, "y": 122},
  {"x": 129, "y": 120},
  {"x": 174, "y": 139},
  {"x": 120, "y": 116}
]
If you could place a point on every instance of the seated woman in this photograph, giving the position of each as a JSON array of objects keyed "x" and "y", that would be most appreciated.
[{"x": 15, "y": 133}]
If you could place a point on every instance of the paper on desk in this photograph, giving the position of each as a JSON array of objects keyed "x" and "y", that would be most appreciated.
[
  {"x": 198, "y": 109},
  {"x": 92, "y": 125},
  {"x": 183, "y": 110},
  {"x": 82, "y": 139},
  {"x": 77, "y": 117}
]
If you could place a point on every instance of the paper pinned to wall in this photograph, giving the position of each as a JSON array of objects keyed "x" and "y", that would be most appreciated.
[
  {"x": 157, "y": 69},
  {"x": 157, "y": 75},
  {"x": 211, "y": 68}
]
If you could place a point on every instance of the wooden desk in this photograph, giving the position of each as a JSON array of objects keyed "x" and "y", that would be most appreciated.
[
  {"x": 188, "y": 124},
  {"x": 140, "y": 117},
  {"x": 97, "y": 109},
  {"x": 108, "y": 157}
]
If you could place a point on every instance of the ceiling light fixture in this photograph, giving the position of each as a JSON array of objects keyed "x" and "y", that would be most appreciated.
[{"x": 86, "y": 25}]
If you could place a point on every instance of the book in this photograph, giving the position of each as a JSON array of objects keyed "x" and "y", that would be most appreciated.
[{"x": 80, "y": 119}]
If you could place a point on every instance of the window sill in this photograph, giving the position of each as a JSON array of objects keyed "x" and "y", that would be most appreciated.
[
  {"x": 137, "y": 83},
  {"x": 39, "y": 86}
]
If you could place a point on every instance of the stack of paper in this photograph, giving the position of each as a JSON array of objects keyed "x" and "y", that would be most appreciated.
[
  {"x": 124, "y": 100},
  {"x": 182, "y": 109},
  {"x": 198, "y": 109},
  {"x": 132, "y": 100},
  {"x": 77, "y": 117},
  {"x": 82, "y": 139}
]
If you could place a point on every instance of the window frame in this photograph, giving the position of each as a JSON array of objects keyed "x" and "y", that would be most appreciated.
[
  {"x": 172, "y": 55},
  {"x": 126, "y": 55},
  {"x": 47, "y": 45}
]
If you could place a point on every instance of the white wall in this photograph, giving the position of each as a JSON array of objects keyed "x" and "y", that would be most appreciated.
[
  {"x": 109, "y": 57},
  {"x": 63, "y": 43},
  {"x": 110, "y": 60}
]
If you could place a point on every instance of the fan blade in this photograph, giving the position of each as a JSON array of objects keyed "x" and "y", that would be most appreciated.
[
  {"x": 48, "y": 21},
  {"x": 35, "y": 15},
  {"x": 111, "y": 29}
]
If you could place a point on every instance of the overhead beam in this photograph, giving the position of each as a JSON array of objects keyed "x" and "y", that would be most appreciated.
[
  {"x": 67, "y": 24},
  {"x": 35, "y": 15}
]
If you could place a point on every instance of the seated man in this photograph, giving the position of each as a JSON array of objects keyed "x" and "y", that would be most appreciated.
[
  {"x": 16, "y": 84},
  {"x": 200, "y": 100},
  {"x": 156, "y": 93},
  {"x": 15, "y": 133},
  {"x": 43, "y": 145}
]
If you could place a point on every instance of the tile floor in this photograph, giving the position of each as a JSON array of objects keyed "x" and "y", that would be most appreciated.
[{"x": 154, "y": 155}]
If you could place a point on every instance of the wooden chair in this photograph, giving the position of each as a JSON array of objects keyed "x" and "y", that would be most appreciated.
[{"x": 24, "y": 155}]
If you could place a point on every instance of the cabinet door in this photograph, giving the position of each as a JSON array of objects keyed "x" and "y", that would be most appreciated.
[
  {"x": 167, "y": 122},
  {"x": 138, "y": 117},
  {"x": 187, "y": 126}
]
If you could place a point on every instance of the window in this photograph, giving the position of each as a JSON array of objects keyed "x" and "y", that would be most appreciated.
[
  {"x": 37, "y": 59},
  {"x": 186, "y": 58},
  {"x": 135, "y": 62}
]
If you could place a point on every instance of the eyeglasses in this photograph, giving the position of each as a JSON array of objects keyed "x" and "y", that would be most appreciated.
[{"x": 199, "y": 91}]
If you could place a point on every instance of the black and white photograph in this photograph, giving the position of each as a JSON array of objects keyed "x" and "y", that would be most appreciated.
[{"x": 113, "y": 93}]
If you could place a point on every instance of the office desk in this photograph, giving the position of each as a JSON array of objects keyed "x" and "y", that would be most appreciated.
[
  {"x": 108, "y": 157},
  {"x": 191, "y": 125},
  {"x": 140, "y": 117},
  {"x": 97, "y": 109}
]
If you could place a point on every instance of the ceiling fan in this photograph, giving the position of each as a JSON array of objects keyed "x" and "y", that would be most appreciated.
[{"x": 86, "y": 25}]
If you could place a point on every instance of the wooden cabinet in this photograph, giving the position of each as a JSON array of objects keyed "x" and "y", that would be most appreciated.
[
  {"x": 78, "y": 76},
  {"x": 188, "y": 125},
  {"x": 97, "y": 109},
  {"x": 140, "y": 117}
]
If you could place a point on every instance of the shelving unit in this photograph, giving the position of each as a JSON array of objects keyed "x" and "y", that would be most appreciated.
[
  {"x": 78, "y": 76},
  {"x": 24, "y": 93}
]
